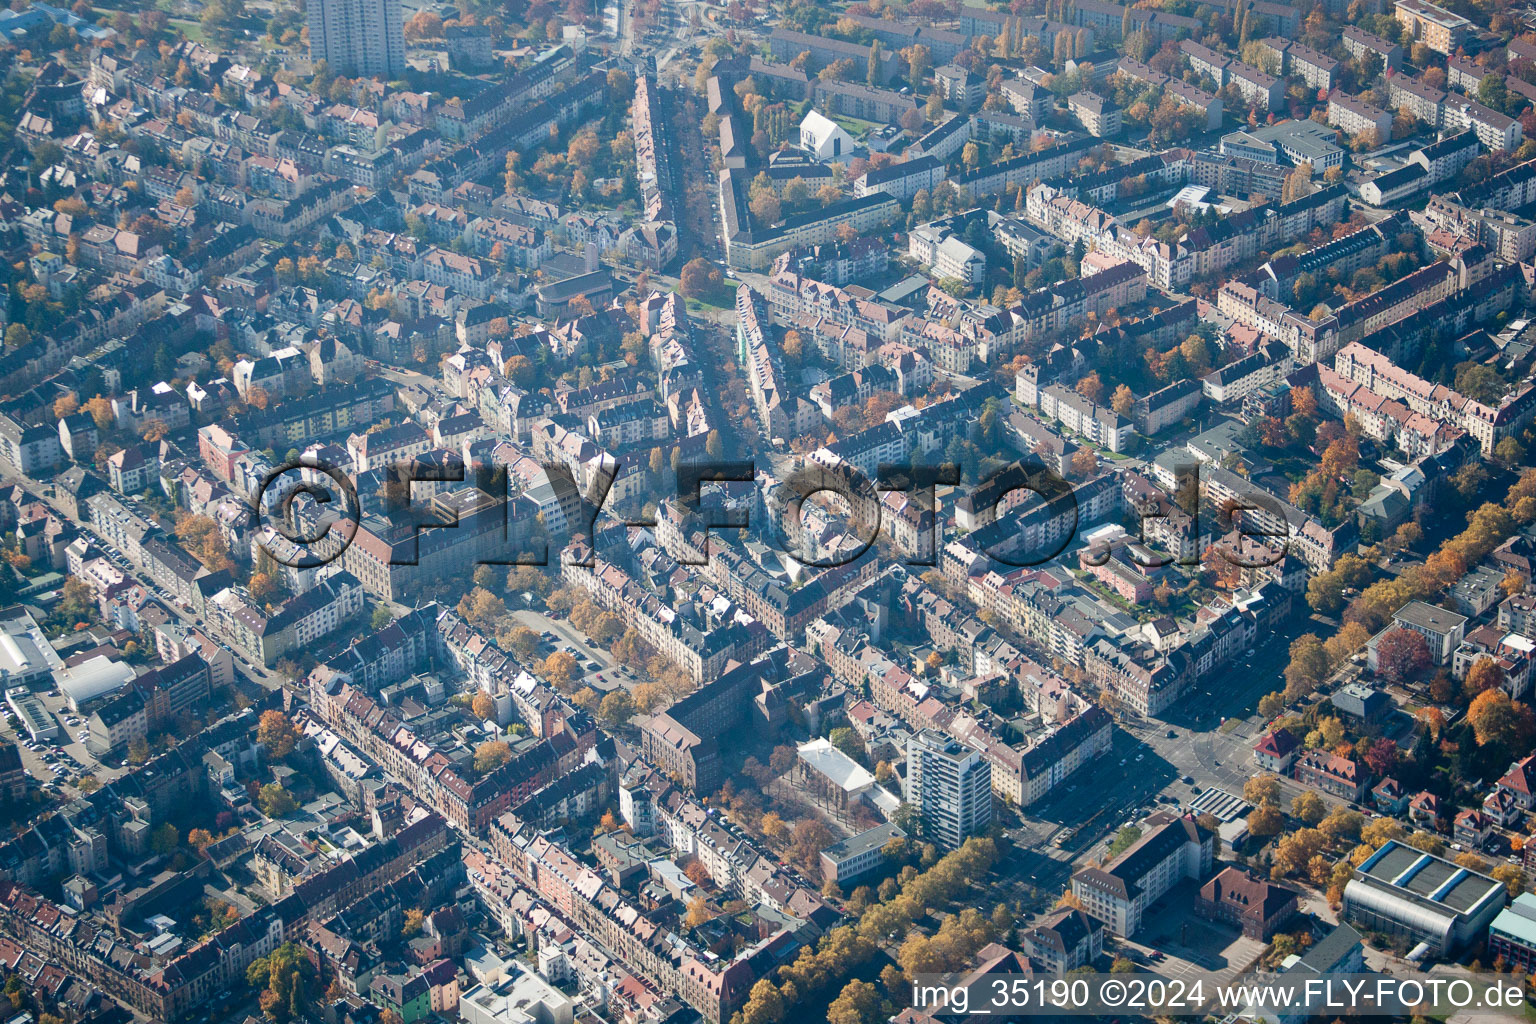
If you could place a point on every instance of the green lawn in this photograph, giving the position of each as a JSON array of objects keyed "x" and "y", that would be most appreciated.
[
  {"x": 726, "y": 299},
  {"x": 852, "y": 125},
  {"x": 192, "y": 29}
]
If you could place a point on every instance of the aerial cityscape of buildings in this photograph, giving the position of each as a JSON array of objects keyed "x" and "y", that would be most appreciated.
[{"x": 669, "y": 511}]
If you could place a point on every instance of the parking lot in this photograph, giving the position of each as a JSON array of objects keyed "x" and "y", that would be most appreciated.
[
  {"x": 258, "y": 673},
  {"x": 599, "y": 670},
  {"x": 65, "y": 758},
  {"x": 1176, "y": 943}
]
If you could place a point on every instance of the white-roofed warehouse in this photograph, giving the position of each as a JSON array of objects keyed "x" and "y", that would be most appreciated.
[{"x": 93, "y": 679}]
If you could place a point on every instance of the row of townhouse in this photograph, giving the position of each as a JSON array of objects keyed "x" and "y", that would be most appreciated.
[
  {"x": 380, "y": 734},
  {"x": 522, "y": 246},
  {"x": 895, "y": 440},
  {"x": 865, "y": 102},
  {"x": 172, "y": 990},
  {"x": 1354, "y": 116},
  {"x": 1030, "y": 533},
  {"x": 1203, "y": 251},
  {"x": 1022, "y": 171},
  {"x": 1169, "y": 168},
  {"x": 1022, "y": 772},
  {"x": 944, "y": 139},
  {"x": 523, "y": 130},
  {"x": 902, "y": 180},
  {"x": 792, "y": 296},
  {"x": 1267, "y": 515},
  {"x": 656, "y": 806},
  {"x": 781, "y": 411},
  {"x": 286, "y": 219},
  {"x": 1049, "y": 311},
  {"x": 750, "y": 246},
  {"x": 298, "y": 623},
  {"x": 1099, "y": 424},
  {"x": 701, "y": 651},
  {"x": 1384, "y": 419},
  {"x": 1510, "y": 189},
  {"x": 1316, "y": 69},
  {"x": 1441, "y": 110},
  {"x": 785, "y": 45},
  {"x": 484, "y": 664},
  {"x": 1256, "y": 87},
  {"x": 654, "y": 167},
  {"x": 1265, "y": 368},
  {"x": 1468, "y": 76},
  {"x": 1342, "y": 256},
  {"x": 1488, "y": 424},
  {"x": 1109, "y": 20},
  {"x": 1510, "y": 237},
  {"x": 1151, "y": 679},
  {"x": 131, "y": 531},
  {"x": 943, "y": 44},
  {"x": 492, "y": 108},
  {"x": 712, "y": 985},
  {"x": 1190, "y": 96}
]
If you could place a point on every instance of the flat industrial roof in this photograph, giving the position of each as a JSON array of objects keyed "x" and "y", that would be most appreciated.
[
  {"x": 842, "y": 770},
  {"x": 1429, "y": 877},
  {"x": 1518, "y": 919}
]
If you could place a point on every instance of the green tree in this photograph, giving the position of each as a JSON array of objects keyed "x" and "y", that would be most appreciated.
[
  {"x": 856, "y": 1004},
  {"x": 287, "y": 980},
  {"x": 1123, "y": 840},
  {"x": 275, "y": 801},
  {"x": 1263, "y": 790},
  {"x": 616, "y": 709},
  {"x": 492, "y": 754},
  {"x": 698, "y": 278},
  {"x": 764, "y": 1004},
  {"x": 1308, "y": 666},
  {"x": 165, "y": 839},
  {"x": 1309, "y": 807},
  {"x": 275, "y": 732},
  {"x": 483, "y": 705},
  {"x": 1265, "y": 821},
  {"x": 846, "y": 740},
  {"x": 1500, "y": 722}
]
